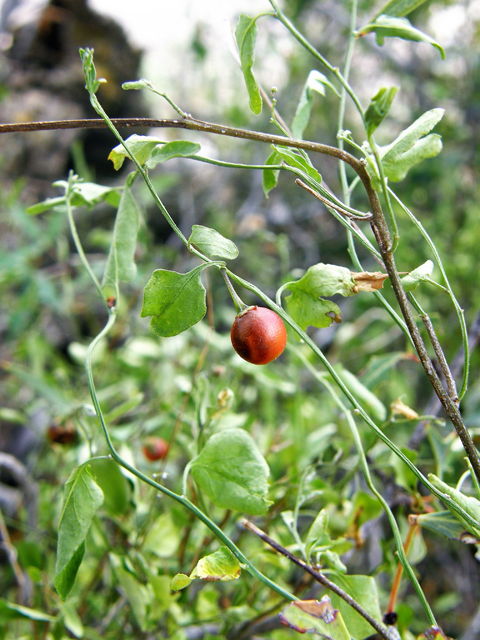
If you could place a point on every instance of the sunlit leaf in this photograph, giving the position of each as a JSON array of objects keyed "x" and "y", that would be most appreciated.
[
  {"x": 470, "y": 505},
  {"x": 363, "y": 589},
  {"x": 299, "y": 160},
  {"x": 399, "y": 8}
]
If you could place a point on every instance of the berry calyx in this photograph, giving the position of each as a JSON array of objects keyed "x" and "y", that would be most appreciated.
[
  {"x": 155, "y": 449},
  {"x": 258, "y": 335}
]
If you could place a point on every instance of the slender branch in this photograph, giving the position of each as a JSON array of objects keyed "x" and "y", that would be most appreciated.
[
  {"x": 452, "y": 387},
  {"x": 190, "y": 124},
  {"x": 319, "y": 577},
  {"x": 329, "y": 203}
]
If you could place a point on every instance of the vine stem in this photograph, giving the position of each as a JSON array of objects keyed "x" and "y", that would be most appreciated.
[
  {"x": 401, "y": 550},
  {"x": 319, "y": 577}
]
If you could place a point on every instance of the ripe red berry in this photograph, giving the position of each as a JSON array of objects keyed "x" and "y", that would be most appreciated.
[
  {"x": 258, "y": 335},
  {"x": 155, "y": 449}
]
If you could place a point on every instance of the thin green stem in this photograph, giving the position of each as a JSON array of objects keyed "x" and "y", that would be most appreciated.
[
  {"x": 76, "y": 240},
  {"x": 363, "y": 461},
  {"x": 458, "y": 309},
  {"x": 316, "y": 54}
]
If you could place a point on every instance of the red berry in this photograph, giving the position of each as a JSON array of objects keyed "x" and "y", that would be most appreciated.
[
  {"x": 155, "y": 449},
  {"x": 258, "y": 335}
]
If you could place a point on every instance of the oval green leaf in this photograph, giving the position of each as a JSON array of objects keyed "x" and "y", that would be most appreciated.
[
  {"x": 176, "y": 301},
  {"x": 212, "y": 244},
  {"x": 232, "y": 472}
]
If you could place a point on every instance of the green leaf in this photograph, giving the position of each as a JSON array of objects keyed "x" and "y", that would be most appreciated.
[
  {"x": 71, "y": 619},
  {"x": 180, "y": 581},
  {"x": 399, "y": 8},
  {"x": 306, "y": 305},
  {"x": 10, "y": 611},
  {"x": 232, "y": 472},
  {"x": 365, "y": 397},
  {"x": 446, "y": 524},
  {"x": 89, "y": 71},
  {"x": 420, "y": 274},
  {"x": 317, "y": 530},
  {"x": 212, "y": 243},
  {"x": 175, "y": 300},
  {"x": 410, "y": 148},
  {"x": 299, "y": 160},
  {"x": 162, "y": 538},
  {"x": 82, "y": 497},
  {"x": 173, "y": 149},
  {"x": 135, "y": 85},
  {"x": 246, "y": 36},
  {"x": 315, "y": 83},
  {"x": 90, "y": 194},
  {"x": 139, "y": 146},
  {"x": 221, "y": 566},
  {"x": 114, "y": 485},
  {"x": 45, "y": 205},
  {"x": 363, "y": 589},
  {"x": 467, "y": 503},
  {"x": 270, "y": 176},
  {"x": 135, "y": 592},
  {"x": 385, "y": 26},
  {"x": 379, "y": 107},
  {"x": 121, "y": 257},
  {"x": 312, "y": 616}
]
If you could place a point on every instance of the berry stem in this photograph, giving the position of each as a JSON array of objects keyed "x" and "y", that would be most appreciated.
[{"x": 237, "y": 301}]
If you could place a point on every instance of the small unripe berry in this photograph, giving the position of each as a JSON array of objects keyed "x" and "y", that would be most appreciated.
[
  {"x": 155, "y": 449},
  {"x": 258, "y": 335}
]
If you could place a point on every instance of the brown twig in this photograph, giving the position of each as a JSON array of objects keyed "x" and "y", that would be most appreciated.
[
  {"x": 319, "y": 577},
  {"x": 366, "y": 217},
  {"x": 452, "y": 387}
]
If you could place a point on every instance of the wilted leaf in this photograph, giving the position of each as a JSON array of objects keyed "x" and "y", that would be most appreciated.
[
  {"x": 401, "y": 409},
  {"x": 212, "y": 243},
  {"x": 246, "y": 36},
  {"x": 82, "y": 497},
  {"x": 312, "y": 616},
  {"x": 369, "y": 280},
  {"x": 175, "y": 300},
  {"x": 232, "y": 472}
]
